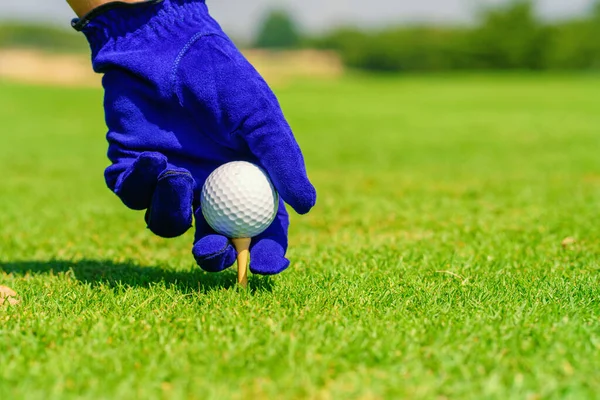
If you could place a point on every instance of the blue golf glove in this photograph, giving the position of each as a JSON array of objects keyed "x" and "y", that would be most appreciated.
[{"x": 181, "y": 100}]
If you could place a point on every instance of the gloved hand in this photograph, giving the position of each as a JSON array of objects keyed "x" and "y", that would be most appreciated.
[{"x": 181, "y": 100}]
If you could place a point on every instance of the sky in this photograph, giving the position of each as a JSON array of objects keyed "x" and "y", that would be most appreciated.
[{"x": 240, "y": 17}]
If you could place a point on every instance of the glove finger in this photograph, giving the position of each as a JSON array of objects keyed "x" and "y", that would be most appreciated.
[
  {"x": 267, "y": 251},
  {"x": 213, "y": 252},
  {"x": 268, "y": 257},
  {"x": 136, "y": 183},
  {"x": 170, "y": 212},
  {"x": 270, "y": 139}
]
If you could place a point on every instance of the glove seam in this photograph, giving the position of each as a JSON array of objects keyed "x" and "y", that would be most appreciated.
[
  {"x": 176, "y": 64},
  {"x": 214, "y": 255},
  {"x": 175, "y": 75}
]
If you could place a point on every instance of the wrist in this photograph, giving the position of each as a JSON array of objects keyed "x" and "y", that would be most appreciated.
[{"x": 84, "y": 7}]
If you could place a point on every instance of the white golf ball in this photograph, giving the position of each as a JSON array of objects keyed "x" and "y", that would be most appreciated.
[{"x": 238, "y": 200}]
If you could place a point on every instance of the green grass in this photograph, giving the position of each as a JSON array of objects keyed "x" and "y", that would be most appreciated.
[{"x": 431, "y": 268}]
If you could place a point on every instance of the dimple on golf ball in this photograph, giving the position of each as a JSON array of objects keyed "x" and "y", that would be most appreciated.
[{"x": 238, "y": 200}]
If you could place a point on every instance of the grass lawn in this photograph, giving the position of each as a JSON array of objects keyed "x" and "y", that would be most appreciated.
[{"x": 433, "y": 266}]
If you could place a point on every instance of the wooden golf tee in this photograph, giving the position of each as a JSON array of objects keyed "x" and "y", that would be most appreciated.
[{"x": 242, "y": 245}]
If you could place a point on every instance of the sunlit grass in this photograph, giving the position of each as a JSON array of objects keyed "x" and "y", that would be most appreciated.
[{"x": 433, "y": 266}]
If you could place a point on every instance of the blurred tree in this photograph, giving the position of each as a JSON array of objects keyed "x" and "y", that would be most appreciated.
[
  {"x": 49, "y": 38},
  {"x": 510, "y": 37},
  {"x": 278, "y": 31},
  {"x": 596, "y": 10},
  {"x": 574, "y": 44},
  {"x": 418, "y": 48}
]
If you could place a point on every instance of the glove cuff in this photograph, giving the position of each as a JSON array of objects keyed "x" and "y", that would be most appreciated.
[
  {"x": 145, "y": 20},
  {"x": 79, "y": 23}
]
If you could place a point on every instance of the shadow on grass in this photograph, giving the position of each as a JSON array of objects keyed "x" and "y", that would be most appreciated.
[{"x": 128, "y": 274}]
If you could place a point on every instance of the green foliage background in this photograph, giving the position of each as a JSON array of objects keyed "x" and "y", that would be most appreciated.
[
  {"x": 505, "y": 37},
  {"x": 49, "y": 38},
  {"x": 508, "y": 37}
]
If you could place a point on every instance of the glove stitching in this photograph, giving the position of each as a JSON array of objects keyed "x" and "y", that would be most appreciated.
[
  {"x": 238, "y": 130},
  {"x": 177, "y": 62},
  {"x": 168, "y": 173},
  {"x": 214, "y": 255}
]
